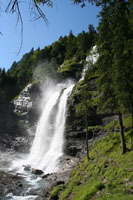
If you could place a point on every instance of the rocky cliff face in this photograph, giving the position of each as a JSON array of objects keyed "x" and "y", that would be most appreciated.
[
  {"x": 26, "y": 104},
  {"x": 19, "y": 119},
  {"x": 26, "y": 109},
  {"x": 75, "y": 132},
  {"x": 23, "y": 103}
]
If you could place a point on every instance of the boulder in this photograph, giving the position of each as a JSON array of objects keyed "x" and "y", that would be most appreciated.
[
  {"x": 37, "y": 171},
  {"x": 27, "y": 167}
]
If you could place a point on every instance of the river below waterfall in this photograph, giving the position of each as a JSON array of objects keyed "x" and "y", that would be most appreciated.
[
  {"x": 16, "y": 183},
  {"x": 17, "y": 178},
  {"x": 19, "y": 183}
]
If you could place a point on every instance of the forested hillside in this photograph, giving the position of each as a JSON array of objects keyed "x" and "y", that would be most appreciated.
[{"x": 50, "y": 58}]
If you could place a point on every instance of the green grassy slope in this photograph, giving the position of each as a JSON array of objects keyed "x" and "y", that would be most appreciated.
[{"x": 108, "y": 175}]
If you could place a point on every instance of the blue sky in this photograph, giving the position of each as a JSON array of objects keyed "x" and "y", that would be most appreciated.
[{"x": 63, "y": 17}]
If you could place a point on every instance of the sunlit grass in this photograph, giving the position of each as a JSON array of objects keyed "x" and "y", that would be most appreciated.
[{"x": 108, "y": 175}]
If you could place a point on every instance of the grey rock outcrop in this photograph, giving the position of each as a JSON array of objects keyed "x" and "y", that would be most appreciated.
[
  {"x": 23, "y": 103},
  {"x": 26, "y": 104},
  {"x": 19, "y": 119},
  {"x": 25, "y": 108}
]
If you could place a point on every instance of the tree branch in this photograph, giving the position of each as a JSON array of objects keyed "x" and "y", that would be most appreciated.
[{"x": 14, "y": 7}]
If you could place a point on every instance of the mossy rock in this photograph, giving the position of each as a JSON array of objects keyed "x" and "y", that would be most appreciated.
[
  {"x": 55, "y": 192},
  {"x": 71, "y": 68}
]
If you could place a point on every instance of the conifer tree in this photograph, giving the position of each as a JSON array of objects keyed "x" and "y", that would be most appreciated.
[
  {"x": 115, "y": 81},
  {"x": 71, "y": 46},
  {"x": 122, "y": 58},
  {"x": 105, "y": 84}
]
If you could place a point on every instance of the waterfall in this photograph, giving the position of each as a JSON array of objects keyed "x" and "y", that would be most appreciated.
[
  {"x": 91, "y": 60},
  {"x": 47, "y": 146}
]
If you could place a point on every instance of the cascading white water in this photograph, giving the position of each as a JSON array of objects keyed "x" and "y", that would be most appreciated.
[
  {"x": 47, "y": 146},
  {"x": 91, "y": 60}
]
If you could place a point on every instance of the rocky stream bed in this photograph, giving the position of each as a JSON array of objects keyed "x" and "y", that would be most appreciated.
[{"x": 32, "y": 183}]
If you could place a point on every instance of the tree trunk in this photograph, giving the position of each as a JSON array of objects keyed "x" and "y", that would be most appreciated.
[
  {"x": 122, "y": 134},
  {"x": 131, "y": 138},
  {"x": 87, "y": 149},
  {"x": 131, "y": 133},
  {"x": 86, "y": 116}
]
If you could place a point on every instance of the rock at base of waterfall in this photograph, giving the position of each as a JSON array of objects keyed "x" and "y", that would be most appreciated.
[
  {"x": 37, "y": 171},
  {"x": 46, "y": 175},
  {"x": 27, "y": 167}
]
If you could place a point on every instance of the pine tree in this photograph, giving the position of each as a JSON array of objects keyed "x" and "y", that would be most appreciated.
[
  {"x": 122, "y": 57},
  {"x": 105, "y": 83},
  {"x": 71, "y": 46},
  {"x": 114, "y": 64}
]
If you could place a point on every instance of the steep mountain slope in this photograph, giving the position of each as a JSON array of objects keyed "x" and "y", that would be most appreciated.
[{"x": 106, "y": 175}]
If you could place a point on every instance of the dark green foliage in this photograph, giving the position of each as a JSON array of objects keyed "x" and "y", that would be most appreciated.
[
  {"x": 114, "y": 65},
  {"x": 65, "y": 48},
  {"x": 71, "y": 69},
  {"x": 107, "y": 99},
  {"x": 122, "y": 56},
  {"x": 71, "y": 46},
  {"x": 115, "y": 60},
  {"x": 85, "y": 41}
]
